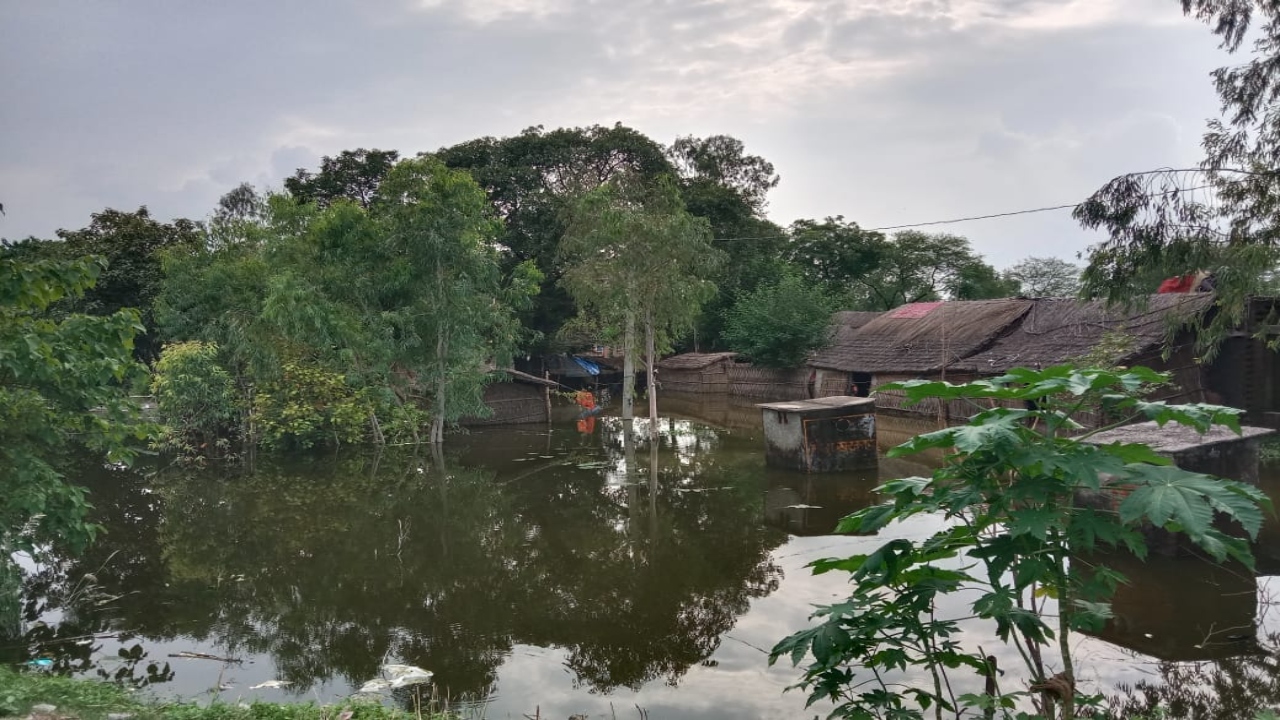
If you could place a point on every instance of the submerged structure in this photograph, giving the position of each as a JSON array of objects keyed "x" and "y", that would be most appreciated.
[{"x": 823, "y": 435}]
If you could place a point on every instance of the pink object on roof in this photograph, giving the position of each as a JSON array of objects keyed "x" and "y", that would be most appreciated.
[{"x": 915, "y": 311}]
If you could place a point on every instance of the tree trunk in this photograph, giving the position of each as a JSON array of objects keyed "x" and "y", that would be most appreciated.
[
  {"x": 437, "y": 419},
  {"x": 629, "y": 366},
  {"x": 652, "y": 389}
]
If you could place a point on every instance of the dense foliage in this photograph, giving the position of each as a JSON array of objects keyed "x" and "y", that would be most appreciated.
[
  {"x": 778, "y": 325},
  {"x": 63, "y": 383},
  {"x": 636, "y": 258},
  {"x": 1028, "y": 504},
  {"x": 339, "y": 318},
  {"x": 397, "y": 285},
  {"x": 868, "y": 271}
]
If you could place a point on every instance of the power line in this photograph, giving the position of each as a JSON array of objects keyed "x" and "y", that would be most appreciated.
[
  {"x": 1052, "y": 208},
  {"x": 923, "y": 224},
  {"x": 975, "y": 217}
]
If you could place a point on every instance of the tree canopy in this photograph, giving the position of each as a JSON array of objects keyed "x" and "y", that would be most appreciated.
[
  {"x": 63, "y": 383},
  {"x": 1222, "y": 217},
  {"x": 870, "y": 271},
  {"x": 1044, "y": 277}
]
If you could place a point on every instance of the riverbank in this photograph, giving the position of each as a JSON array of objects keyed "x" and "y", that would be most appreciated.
[{"x": 41, "y": 696}]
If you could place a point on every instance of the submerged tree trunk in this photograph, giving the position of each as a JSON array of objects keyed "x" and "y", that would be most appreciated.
[
  {"x": 629, "y": 366},
  {"x": 437, "y": 418},
  {"x": 651, "y": 388}
]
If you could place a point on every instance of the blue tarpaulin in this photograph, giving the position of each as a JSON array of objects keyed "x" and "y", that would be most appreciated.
[{"x": 591, "y": 368}]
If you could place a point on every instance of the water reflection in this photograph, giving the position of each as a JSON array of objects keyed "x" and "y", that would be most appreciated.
[
  {"x": 547, "y": 563},
  {"x": 633, "y": 557}
]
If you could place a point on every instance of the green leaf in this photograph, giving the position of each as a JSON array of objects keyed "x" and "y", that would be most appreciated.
[
  {"x": 1034, "y": 521},
  {"x": 867, "y": 521}
]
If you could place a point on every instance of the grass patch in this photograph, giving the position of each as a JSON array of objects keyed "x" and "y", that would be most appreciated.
[{"x": 94, "y": 700}]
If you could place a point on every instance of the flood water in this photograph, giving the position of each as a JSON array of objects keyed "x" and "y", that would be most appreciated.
[{"x": 569, "y": 570}]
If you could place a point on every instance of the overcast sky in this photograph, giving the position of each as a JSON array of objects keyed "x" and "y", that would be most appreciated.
[{"x": 884, "y": 111}]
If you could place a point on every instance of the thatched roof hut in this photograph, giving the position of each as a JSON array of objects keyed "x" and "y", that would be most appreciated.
[
  {"x": 921, "y": 337},
  {"x": 694, "y": 361},
  {"x": 1058, "y": 330},
  {"x": 696, "y": 372},
  {"x": 843, "y": 326}
]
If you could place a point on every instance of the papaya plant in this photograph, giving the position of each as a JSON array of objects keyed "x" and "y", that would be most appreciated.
[{"x": 1026, "y": 501}]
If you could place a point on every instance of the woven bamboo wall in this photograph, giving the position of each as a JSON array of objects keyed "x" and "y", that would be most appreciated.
[
  {"x": 830, "y": 383},
  {"x": 512, "y": 403},
  {"x": 896, "y": 400},
  {"x": 711, "y": 379},
  {"x": 768, "y": 383}
]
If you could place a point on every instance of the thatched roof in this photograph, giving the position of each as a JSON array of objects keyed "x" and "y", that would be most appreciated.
[
  {"x": 1056, "y": 330},
  {"x": 922, "y": 337},
  {"x": 694, "y": 361},
  {"x": 843, "y": 326}
]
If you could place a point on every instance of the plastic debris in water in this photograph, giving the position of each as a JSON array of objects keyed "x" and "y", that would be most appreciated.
[
  {"x": 272, "y": 684},
  {"x": 403, "y": 675},
  {"x": 375, "y": 685},
  {"x": 42, "y": 663},
  {"x": 397, "y": 676}
]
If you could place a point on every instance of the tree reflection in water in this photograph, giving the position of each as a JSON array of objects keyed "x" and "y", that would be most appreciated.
[
  {"x": 1234, "y": 688},
  {"x": 633, "y": 558}
]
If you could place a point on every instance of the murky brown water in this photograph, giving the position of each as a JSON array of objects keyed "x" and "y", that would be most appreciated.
[{"x": 571, "y": 569}]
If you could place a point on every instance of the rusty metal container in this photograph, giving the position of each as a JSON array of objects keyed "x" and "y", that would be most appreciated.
[{"x": 828, "y": 434}]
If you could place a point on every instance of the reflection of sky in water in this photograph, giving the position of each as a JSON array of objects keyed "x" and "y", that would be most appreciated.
[{"x": 565, "y": 496}]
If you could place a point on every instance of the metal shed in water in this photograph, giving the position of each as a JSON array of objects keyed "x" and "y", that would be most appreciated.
[{"x": 822, "y": 435}]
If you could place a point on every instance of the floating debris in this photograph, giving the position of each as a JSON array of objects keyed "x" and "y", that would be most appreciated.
[
  {"x": 396, "y": 676},
  {"x": 41, "y": 663},
  {"x": 272, "y": 684},
  {"x": 200, "y": 656},
  {"x": 376, "y": 685},
  {"x": 405, "y": 675}
]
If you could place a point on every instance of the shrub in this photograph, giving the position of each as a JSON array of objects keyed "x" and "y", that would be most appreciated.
[
  {"x": 308, "y": 406},
  {"x": 195, "y": 397}
]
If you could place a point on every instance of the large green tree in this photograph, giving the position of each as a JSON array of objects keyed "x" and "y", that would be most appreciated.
[
  {"x": 353, "y": 175},
  {"x": 531, "y": 179},
  {"x": 778, "y": 325},
  {"x": 1045, "y": 277},
  {"x": 402, "y": 302},
  {"x": 63, "y": 384},
  {"x": 638, "y": 259},
  {"x": 721, "y": 182},
  {"x": 867, "y": 270}
]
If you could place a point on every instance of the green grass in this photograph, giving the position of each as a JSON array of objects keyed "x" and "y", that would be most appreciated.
[{"x": 93, "y": 700}]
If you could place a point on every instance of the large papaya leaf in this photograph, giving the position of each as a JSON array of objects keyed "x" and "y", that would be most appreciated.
[{"x": 1168, "y": 495}]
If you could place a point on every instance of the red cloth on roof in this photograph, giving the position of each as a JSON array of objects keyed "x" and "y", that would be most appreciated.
[{"x": 1178, "y": 284}]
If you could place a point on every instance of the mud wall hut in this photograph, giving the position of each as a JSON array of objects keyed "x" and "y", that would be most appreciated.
[
  {"x": 517, "y": 398},
  {"x": 696, "y": 372}
]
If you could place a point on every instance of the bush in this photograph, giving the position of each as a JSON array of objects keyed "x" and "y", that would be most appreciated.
[
  {"x": 779, "y": 325},
  {"x": 308, "y": 406},
  {"x": 195, "y": 396},
  {"x": 1026, "y": 499}
]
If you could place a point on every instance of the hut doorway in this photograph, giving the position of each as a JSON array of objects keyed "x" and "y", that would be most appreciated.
[{"x": 860, "y": 384}]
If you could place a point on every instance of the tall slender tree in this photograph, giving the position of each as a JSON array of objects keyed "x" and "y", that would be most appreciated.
[{"x": 636, "y": 257}]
